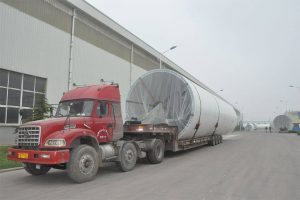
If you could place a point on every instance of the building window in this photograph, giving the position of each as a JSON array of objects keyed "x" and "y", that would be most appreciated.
[
  {"x": 19, "y": 92},
  {"x": 3, "y": 92},
  {"x": 2, "y": 114}
]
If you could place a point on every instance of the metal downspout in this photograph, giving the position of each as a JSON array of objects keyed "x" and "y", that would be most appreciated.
[
  {"x": 131, "y": 65},
  {"x": 70, "y": 75}
]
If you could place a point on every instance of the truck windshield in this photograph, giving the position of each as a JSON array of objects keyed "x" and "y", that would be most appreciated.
[{"x": 75, "y": 108}]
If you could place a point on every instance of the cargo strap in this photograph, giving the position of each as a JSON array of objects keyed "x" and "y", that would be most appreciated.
[
  {"x": 198, "y": 124},
  {"x": 217, "y": 124}
]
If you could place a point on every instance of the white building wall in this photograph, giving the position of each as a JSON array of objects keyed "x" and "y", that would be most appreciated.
[
  {"x": 136, "y": 73},
  {"x": 90, "y": 64},
  {"x": 33, "y": 47},
  {"x": 30, "y": 46}
]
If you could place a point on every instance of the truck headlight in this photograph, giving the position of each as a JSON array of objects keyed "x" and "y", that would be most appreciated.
[{"x": 55, "y": 143}]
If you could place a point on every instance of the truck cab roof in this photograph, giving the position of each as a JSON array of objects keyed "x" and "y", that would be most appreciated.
[{"x": 99, "y": 92}]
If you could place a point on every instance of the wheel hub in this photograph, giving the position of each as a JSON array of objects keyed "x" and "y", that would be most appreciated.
[
  {"x": 129, "y": 155},
  {"x": 86, "y": 164}
]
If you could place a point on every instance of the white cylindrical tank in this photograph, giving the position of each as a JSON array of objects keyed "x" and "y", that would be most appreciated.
[
  {"x": 164, "y": 96},
  {"x": 249, "y": 126},
  {"x": 282, "y": 123}
]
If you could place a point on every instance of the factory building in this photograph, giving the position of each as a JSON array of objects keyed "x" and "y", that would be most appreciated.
[{"x": 50, "y": 46}]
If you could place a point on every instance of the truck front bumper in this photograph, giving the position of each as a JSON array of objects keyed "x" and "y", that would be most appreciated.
[{"x": 38, "y": 156}]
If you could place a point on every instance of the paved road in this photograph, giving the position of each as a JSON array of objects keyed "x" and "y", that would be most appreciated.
[{"x": 247, "y": 166}]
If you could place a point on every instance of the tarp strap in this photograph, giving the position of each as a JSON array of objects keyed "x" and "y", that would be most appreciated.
[
  {"x": 217, "y": 124},
  {"x": 198, "y": 124}
]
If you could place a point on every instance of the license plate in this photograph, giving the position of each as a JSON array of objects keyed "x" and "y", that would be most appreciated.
[{"x": 23, "y": 155}]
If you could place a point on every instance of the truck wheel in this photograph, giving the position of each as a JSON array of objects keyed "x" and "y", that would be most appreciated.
[
  {"x": 213, "y": 141},
  {"x": 84, "y": 164},
  {"x": 217, "y": 140},
  {"x": 32, "y": 169},
  {"x": 128, "y": 157},
  {"x": 156, "y": 155}
]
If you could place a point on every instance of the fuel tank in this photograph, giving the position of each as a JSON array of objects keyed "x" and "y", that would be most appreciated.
[{"x": 166, "y": 97}]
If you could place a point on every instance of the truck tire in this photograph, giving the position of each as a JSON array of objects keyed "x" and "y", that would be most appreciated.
[
  {"x": 31, "y": 169},
  {"x": 156, "y": 155},
  {"x": 213, "y": 141},
  {"x": 84, "y": 164},
  {"x": 128, "y": 157}
]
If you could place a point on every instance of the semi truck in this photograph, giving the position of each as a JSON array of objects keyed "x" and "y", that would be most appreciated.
[{"x": 88, "y": 131}]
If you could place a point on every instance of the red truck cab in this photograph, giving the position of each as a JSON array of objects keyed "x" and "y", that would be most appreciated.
[{"x": 86, "y": 115}]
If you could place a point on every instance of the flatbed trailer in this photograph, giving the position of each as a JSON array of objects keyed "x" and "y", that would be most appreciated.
[{"x": 169, "y": 135}]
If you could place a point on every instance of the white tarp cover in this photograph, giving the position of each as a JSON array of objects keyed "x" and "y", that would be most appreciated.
[
  {"x": 162, "y": 97},
  {"x": 282, "y": 122}
]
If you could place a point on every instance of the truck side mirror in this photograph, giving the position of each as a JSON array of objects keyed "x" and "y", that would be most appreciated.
[{"x": 51, "y": 111}]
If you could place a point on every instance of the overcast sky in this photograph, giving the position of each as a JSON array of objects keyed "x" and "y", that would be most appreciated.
[{"x": 248, "y": 48}]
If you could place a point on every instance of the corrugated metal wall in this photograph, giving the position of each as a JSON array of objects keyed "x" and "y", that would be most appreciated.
[
  {"x": 35, "y": 39},
  {"x": 94, "y": 32}
]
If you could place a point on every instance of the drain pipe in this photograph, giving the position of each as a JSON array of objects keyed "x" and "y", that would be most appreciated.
[
  {"x": 131, "y": 65},
  {"x": 70, "y": 76}
]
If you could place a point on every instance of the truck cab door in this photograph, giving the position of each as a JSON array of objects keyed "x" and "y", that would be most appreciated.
[
  {"x": 103, "y": 123},
  {"x": 117, "y": 121}
]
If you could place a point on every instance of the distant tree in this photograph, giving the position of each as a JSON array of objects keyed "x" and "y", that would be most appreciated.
[{"x": 41, "y": 110}]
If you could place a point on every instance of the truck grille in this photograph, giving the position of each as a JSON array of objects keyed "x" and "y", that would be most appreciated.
[{"x": 29, "y": 136}]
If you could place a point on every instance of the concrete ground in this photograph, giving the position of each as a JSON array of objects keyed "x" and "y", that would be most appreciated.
[{"x": 245, "y": 166}]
